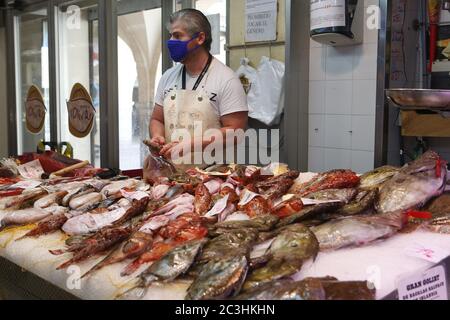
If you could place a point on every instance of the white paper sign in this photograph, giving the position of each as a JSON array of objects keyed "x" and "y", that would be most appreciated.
[
  {"x": 31, "y": 170},
  {"x": 261, "y": 20},
  {"x": 214, "y": 20},
  {"x": 428, "y": 285},
  {"x": 327, "y": 13},
  {"x": 26, "y": 184}
]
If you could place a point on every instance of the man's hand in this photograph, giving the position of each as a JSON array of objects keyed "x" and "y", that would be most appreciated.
[{"x": 157, "y": 142}]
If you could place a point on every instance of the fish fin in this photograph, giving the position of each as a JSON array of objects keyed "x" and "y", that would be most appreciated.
[{"x": 131, "y": 268}]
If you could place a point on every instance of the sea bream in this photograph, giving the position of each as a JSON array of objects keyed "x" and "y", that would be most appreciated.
[{"x": 414, "y": 185}]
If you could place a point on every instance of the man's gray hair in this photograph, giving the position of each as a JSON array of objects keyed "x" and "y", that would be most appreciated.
[{"x": 195, "y": 22}]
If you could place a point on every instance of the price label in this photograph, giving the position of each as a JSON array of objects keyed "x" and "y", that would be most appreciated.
[{"x": 428, "y": 285}]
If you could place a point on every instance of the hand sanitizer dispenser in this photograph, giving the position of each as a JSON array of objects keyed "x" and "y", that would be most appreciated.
[{"x": 337, "y": 22}]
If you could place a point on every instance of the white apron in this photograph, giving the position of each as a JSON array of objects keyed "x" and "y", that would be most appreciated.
[{"x": 189, "y": 111}]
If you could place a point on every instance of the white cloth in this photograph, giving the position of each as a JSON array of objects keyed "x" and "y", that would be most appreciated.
[{"x": 222, "y": 86}]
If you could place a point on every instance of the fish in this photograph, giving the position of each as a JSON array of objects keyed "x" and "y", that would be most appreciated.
[
  {"x": 348, "y": 290},
  {"x": 310, "y": 212},
  {"x": 184, "y": 200},
  {"x": 288, "y": 208},
  {"x": 85, "y": 201},
  {"x": 261, "y": 223},
  {"x": 358, "y": 230},
  {"x": 92, "y": 222},
  {"x": 286, "y": 256},
  {"x": 116, "y": 186},
  {"x": 137, "y": 244},
  {"x": 185, "y": 228},
  {"x": 439, "y": 224},
  {"x": 414, "y": 185},
  {"x": 173, "y": 265},
  {"x": 439, "y": 206},
  {"x": 219, "y": 279},
  {"x": 99, "y": 243},
  {"x": 234, "y": 242},
  {"x": 278, "y": 190},
  {"x": 277, "y": 180},
  {"x": 364, "y": 201},
  {"x": 258, "y": 206},
  {"x": 159, "y": 191},
  {"x": 50, "y": 200},
  {"x": 77, "y": 192},
  {"x": 22, "y": 200},
  {"x": 343, "y": 195},
  {"x": 335, "y": 179},
  {"x": 286, "y": 290},
  {"x": 203, "y": 199},
  {"x": 23, "y": 217},
  {"x": 47, "y": 226},
  {"x": 377, "y": 177}
]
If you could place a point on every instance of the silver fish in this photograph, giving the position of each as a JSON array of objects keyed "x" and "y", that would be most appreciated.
[
  {"x": 357, "y": 231},
  {"x": 414, "y": 185},
  {"x": 219, "y": 279}
]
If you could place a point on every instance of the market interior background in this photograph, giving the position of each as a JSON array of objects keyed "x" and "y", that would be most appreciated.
[{"x": 335, "y": 111}]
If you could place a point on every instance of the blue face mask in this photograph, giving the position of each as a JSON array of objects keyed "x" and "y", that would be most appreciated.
[{"x": 179, "y": 49}]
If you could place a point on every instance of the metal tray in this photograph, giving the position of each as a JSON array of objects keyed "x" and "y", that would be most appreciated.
[{"x": 420, "y": 99}]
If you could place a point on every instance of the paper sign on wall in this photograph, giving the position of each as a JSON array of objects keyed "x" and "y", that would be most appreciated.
[
  {"x": 81, "y": 111},
  {"x": 327, "y": 13},
  {"x": 261, "y": 20},
  {"x": 35, "y": 110},
  {"x": 214, "y": 20},
  {"x": 428, "y": 285}
]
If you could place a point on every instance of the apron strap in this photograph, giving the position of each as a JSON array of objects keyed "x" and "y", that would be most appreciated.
[{"x": 201, "y": 76}]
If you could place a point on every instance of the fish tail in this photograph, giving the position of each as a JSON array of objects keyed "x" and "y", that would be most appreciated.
[
  {"x": 137, "y": 292},
  {"x": 65, "y": 265}
]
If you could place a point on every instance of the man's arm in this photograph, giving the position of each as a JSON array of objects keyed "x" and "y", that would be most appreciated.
[{"x": 156, "y": 127}]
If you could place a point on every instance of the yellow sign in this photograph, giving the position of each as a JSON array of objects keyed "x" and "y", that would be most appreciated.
[
  {"x": 81, "y": 111},
  {"x": 35, "y": 110}
]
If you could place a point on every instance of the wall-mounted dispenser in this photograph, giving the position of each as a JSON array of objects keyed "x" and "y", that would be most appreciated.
[{"x": 337, "y": 22}]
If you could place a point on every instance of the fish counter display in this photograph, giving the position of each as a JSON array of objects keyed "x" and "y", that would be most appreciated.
[{"x": 229, "y": 232}]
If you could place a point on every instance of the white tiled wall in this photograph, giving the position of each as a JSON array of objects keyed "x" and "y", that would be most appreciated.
[{"x": 342, "y": 102}]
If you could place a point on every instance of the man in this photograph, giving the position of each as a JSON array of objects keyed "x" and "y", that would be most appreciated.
[{"x": 200, "y": 91}]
